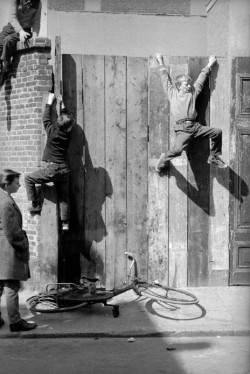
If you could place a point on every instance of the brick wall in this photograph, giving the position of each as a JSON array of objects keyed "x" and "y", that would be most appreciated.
[{"x": 21, "y": 141}]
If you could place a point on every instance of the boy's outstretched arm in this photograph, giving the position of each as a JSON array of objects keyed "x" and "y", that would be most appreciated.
[
  {"x": 47, "y": 119},
  {"x": 211, "y": 61},
  {"x": 165, "y": 78},
  {"x": 62, "y": 106},
  {"x": 51, "y": 98},
  {"x": 198, "y": 85},
  {"x": 159, "y": 59}
]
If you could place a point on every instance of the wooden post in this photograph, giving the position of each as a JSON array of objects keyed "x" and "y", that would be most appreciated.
[
  {"x": 56, "y": 113},
  {"x": 57, "y": 74}
]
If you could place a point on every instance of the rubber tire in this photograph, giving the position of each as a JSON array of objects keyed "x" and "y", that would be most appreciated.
[
  {"x": 155, "y": 292},
  {"x": 33, "y": 306}
]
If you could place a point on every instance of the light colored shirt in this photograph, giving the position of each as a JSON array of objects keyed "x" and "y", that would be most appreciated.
[
  {"x": 182, "y": 105},
  {"x": 28, "y": 18}
]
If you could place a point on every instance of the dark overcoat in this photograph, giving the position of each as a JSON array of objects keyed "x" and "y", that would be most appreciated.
[{"x": 14, "y": 245}]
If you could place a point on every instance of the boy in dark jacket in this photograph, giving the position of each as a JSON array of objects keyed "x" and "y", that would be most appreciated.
[
  {"x": 24, "y": 22},
  {"x": 182, "y": 98},
  {"x": 54, "y": 161}
]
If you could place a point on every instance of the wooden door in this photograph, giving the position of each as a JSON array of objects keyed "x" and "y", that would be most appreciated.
[{"x": 240, "y": 177}]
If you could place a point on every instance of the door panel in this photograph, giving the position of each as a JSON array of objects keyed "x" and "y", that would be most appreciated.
[{"x": 240, "y": 180}]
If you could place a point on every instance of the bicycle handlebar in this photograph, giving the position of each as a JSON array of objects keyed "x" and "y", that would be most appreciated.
[{"x": 133, "y": 264}]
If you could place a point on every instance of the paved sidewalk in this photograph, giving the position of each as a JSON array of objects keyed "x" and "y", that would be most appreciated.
[{"x": 221, "y": 311}]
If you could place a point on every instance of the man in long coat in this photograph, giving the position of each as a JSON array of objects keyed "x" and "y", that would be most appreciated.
[{"x": 14, "y": 251}]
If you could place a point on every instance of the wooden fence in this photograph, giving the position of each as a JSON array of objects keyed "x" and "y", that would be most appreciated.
[{"x": 118, "y": 201}]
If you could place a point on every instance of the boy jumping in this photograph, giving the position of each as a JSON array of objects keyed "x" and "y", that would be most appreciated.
[{"x": 182, "y": 100}]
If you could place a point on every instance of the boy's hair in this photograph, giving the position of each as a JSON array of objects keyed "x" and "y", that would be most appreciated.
[
  {"x": 7, "y": 176},
  {"x": 180, "y": 78},
  {"x": 65, "y": 122}
]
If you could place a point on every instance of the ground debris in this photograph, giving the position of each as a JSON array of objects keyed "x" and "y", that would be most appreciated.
[{"x": 131, "y": 340}]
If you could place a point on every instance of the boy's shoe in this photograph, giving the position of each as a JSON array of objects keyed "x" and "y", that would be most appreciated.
[
  {"x": 65, "y": 226},
  {"x": 5, "y": 66},
  {"x": 216, "y": 160},
  {"x": 22, "y": 325},
  {"x": 35, "y": 207},
  {"x": 161, "y": 163},
  {"x": 1, "y": 322}
]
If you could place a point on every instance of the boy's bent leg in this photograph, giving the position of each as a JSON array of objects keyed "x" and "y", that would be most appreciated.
[
  {"x": 7, "y": 30},
  {"x": 215, "y": 134},
  {"x": 62, "y": 188},
  {"x": 9, "y": 47},
  {"x": 37, "y": 177},
  {"x": 4, "y": 64},
  {"x": 182, "y": 141}
]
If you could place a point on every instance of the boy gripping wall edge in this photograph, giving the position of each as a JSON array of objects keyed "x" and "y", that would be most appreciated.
[
  {"x": 182, "y": 100},
  {"x": 54, "y": 166}
]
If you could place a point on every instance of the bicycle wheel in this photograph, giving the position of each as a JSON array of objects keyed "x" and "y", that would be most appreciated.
[
  {"x": 167, "y": 294},
  {"x": 45, "y": 303}
]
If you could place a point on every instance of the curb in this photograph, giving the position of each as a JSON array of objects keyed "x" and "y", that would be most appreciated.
[{"x": 139, "y": 334}]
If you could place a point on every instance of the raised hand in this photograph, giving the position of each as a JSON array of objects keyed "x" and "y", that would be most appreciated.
[
  {"x": 51, "y": 98},
  {"x": 159, "y": 58},
  {"x": 211, "y": 60}
]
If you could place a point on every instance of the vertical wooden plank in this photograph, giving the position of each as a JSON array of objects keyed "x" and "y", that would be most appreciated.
[
  {"x": 221, "y": 91},
  {"x": 198, "y": 189},
  {"x": 73, "y": 241},
  {"x": 58, "y": 67},
  {"x": 46, "y": 271},
  {"x": 137, "y": 160},
  {"x": 115, "y": 99},
  {"x": 96, "y": 177},
  {"x": 158, "y": 127},
  {"x": 178, "y": 199}
]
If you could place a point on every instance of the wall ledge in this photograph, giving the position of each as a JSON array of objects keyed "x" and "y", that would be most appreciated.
[{"x": 34, "y": 44}]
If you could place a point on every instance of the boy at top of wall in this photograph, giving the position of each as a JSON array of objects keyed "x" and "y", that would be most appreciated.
[
  {"x": 54, "y": 161},
  {"x": 23, "y": 23},
  {"x": 182, "y": 98}
]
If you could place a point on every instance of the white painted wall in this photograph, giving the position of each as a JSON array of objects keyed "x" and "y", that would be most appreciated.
[
  {"x": 240, "y": 28},
  {"x": 128, "y": 35},
  {"x": 122, "y": 34},
  {"x": 228, "y": 28}
]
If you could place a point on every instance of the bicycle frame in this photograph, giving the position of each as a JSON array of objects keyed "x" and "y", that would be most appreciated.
[
  {"x": 60, "y": 292},
  {"x": 131, "y": 279}
]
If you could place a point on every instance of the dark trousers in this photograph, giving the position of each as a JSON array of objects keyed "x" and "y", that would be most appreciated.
[
  {"x": 191, "y": 132},
  {"x": 8, "y": 41},
  {"x": 49, "y": 172}
]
